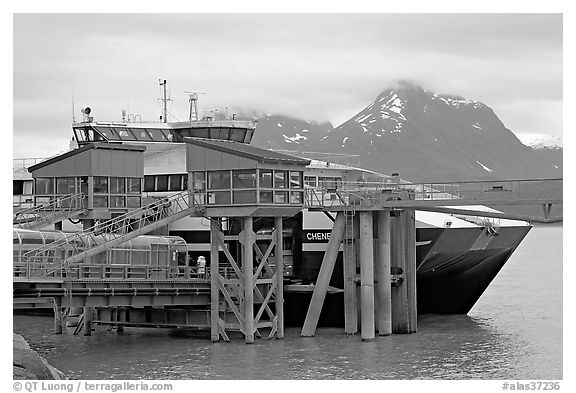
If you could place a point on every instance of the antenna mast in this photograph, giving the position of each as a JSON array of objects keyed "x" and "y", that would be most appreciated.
[
  {"x": 193, "y": 100},
  {"x": 164, "y": 101}
]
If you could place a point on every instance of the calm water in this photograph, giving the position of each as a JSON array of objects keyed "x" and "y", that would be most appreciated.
[{"x": 513, "y": 332}]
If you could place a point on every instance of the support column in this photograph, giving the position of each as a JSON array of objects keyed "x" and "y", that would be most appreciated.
[
  {"x": 279, "y": 254},
  {"x": 120, "y": 317},
  {"x": 382, "y": 274},
  {"x": 367, "y": 327},
  {"x": 88, "y": 316},
  {"x": 328, "y": 262},
  {"x": 350, "y": 255},
  {"x": 248, "y": 271},
  {"x": 400, "y": 323},
  {"x": 409, "y": 226},
  {"x": 57, "y": 315},
  {"x": 214, "y": 284}
]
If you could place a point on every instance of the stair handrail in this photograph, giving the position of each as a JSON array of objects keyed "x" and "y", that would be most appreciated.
[
  {"x": 58, "y": 204},
  {"x": 80, "y": 241}
]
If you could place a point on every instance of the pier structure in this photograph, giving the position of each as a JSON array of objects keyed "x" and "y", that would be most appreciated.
[
  {"x": 250, "y": 191},
  {"x": 245, "y": 193},
  {"x": 240, "y": 288}
]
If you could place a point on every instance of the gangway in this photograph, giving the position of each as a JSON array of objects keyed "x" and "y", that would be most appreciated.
[
  {"x": 43, "y": 215},
  {"x": 52, "y": 260}
]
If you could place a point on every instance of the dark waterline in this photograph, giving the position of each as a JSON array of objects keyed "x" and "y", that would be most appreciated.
[{"x": 513, "y": 332}]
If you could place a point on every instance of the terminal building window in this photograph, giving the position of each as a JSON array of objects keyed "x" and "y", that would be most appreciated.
[{"x": 265, "y": 186}]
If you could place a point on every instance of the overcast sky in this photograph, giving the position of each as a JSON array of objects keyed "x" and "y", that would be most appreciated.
[{"x": 316, "y": 67}]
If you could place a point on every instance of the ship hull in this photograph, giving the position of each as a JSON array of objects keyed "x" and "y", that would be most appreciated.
[{"x": 454, "y": 269}]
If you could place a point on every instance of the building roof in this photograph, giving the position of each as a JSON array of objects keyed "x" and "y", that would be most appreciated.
[
  {"x": 89, "y": 146},
  {"x": 248, "y": 151}
]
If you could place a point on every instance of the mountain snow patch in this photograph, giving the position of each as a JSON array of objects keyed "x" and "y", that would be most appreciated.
[
  {"x": 477, "y": 126},
  {"x": 484, "y": 167},
  {"x": 279, "y": 125},
  {"x": 296, "y": 138}
]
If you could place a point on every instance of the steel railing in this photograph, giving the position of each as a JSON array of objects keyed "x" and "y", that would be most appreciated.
[
  {"x": 475, "y": 192},
  {"x": 89, "y": 242},
  {"x": 47, "y": 212}
]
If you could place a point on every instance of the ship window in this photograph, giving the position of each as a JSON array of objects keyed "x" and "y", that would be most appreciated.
[
  {"x": 117, "y": 185},
  {"x": 237, "y": 135},
  {"x": 141, "y": 134},
  {"x": 280, "y": 179},
  {"x": 125, "y": 134},
  {"x": 107, "y": 132},
  {"x": 218, "y": 180},
  {"x": 80, "y": 135},
  {"x": 100, "y": 185},
  {"x": 202, "y": 133},
  {"x": 161, "y": 183},
  {"x": 65, "y": 185},
  {"x": 44, "y": 186},
  {"x": 265, "y": 178},
  {"x": 244, "y": 179},
  {"x": 184, "y": 182},
  {"x": 245, "y": 196},
  {"x": 157, "y": 135},
  {"x": 148, "y": 183},
  {"x": 175, "y": 183},
  {"x": 295, "y": 179},
  {"x": 133, "y": 185}
]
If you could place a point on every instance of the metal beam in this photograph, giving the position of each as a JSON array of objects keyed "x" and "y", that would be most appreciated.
[{"x": 328, "y": 262}]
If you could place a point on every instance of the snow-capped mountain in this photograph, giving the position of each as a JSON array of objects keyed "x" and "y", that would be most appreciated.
[
  {"x": 550, "y": 149},
  {"x": 285, "y": 133},
  {"x": 423, "y": 135}
]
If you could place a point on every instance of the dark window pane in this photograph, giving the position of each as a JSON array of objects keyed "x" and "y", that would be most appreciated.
[
  {"x": 218, "y": 180},
  {"x": 117, "y": 185},
  {"x": 219, "y": 198},
  {"x": 280, "y": 179},
  {"x": 100, "y": 185},
  {"x": 185, "y": 182},
  {"x": 117, "y": 201},
  {"x": 175, "y": 183},
  {"x": 133, "y": 201},
  {"x": 246, "y": 196},
  {"x": 244, "y": 179},
  {"x": 17, "y": 187},
  {"x": 133, "y": 185},
  {"x": 161, "y": 183},
  {"x": 100, "y": 201},
  {"x": 107, "y": 132},
  {"x": 148, "y": 183},
  {"x": 265, "y": 178},
  {"x": 265, "y": 196},
  {"x": 65, "y": 185},
  {"x": 157, "y": 135},
  {"x": 44, "y": 186},
  {"x": 125, "y": 133},
  {"x": 141, "y": 134}
]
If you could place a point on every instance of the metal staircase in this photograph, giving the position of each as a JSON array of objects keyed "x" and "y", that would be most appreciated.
[
  {"x": 53, "y": 259},
  {"x": 59, "y": 209}
]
